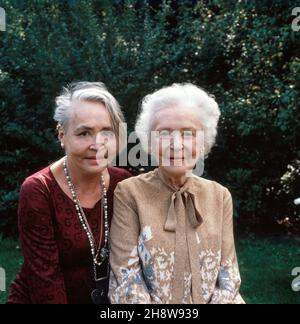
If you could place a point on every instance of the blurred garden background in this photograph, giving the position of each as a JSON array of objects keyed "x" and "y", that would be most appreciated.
[{"x": 245, "y": 53}]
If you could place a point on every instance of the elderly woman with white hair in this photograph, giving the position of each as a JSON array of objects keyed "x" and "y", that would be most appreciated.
[
  {"x": 65, "y": 210},
  {"x": 176, "y": 227}
]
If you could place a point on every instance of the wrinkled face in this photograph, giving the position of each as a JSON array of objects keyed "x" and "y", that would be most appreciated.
[
  {"x": 178, "y": 140},
  {"x": 89, "y": 140}
]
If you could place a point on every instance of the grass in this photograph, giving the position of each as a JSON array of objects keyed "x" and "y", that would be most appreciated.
[
  {"x": 266, "y": 266},
  {"x": 11, "y": 261}
]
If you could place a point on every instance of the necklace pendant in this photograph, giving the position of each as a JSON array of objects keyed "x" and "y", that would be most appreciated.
[
  {"x": 104, "y": 253},
  {"x": 99, "y": 296}
]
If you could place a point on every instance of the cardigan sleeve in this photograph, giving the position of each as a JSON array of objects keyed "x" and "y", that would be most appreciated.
[
  {"x": 127, "y": 283},
  {"x": 41, "y": 258},
  {"x": 229, "y": 281}
]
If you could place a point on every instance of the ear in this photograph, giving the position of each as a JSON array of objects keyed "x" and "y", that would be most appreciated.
[{"x": 61, "y": 134}]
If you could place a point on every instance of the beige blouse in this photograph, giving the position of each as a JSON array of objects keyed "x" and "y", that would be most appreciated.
[{"x": 173, "y": 246}]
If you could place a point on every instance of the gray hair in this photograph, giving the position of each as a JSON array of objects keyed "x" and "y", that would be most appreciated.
[
  {"x": 91, "y": 92},
  {"x": 187, "y": 94}
]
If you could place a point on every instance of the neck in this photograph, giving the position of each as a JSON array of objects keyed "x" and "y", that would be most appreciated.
[
  {"x": 83, "y": 181},
  {"x": 177, "y": 181}
]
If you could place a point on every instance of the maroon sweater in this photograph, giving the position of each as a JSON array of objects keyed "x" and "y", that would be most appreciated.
[{"x": 57, "y": 259}]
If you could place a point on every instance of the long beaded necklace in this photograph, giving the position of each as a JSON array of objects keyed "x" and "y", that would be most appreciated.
[{"x": 99, "y": 255}]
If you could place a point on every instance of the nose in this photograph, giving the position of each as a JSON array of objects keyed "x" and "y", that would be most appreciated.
[
  {"x": 176, "y": 142},
  {"x": 98, "y": 141},
  {"x": 101, "y": 139}
]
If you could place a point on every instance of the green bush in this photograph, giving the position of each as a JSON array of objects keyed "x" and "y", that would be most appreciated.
[{"x": 243, "y": 52}]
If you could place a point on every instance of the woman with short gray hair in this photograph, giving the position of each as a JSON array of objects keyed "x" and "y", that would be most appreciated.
[
  {"x": 65, "y": 210},
  {"x": 177, "y": 227}
]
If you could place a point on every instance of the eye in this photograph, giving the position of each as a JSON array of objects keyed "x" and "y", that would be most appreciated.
[
  {"x": 108, "y": 134},
  {"x": 164, "y": 134},
  {"x": 83, "y": 134},
  {"x": 188, "y": 134}
]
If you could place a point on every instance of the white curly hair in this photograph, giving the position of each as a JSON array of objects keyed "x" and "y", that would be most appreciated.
[{"x": 190, "y": 96}]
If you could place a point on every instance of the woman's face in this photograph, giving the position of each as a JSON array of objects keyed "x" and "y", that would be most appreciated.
[
  {"x": 179, "y": 139},
  {"x": 89, "y": 140}
]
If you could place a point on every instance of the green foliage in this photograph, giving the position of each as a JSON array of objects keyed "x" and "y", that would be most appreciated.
[
  {"x": 244, "y": 52},
  {"x": 11, "y": 261},
  {"x": 266, "y": 266}
]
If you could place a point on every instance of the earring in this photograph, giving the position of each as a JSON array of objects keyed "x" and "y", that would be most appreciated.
[{"x": 62, "y": 145}]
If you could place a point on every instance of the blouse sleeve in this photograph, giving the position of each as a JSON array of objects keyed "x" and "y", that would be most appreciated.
[
  {"x": 127, "y": 284},
  {"x": 41, "y": 257},
  {"x": 229, "y": 281}
]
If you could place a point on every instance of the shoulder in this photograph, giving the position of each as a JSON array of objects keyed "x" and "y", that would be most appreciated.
[
  {"x": 133, "y": 191},
  {"x": 39, "y": 182},
  {"x": 137, "y": 183},
  {"x": 213, "y": 193},
  {"x": 35, "y": 206},
  {"x": 211, "y": 186},
  {"x": 118, "y": 173},
  {"x": 135, "y": 188}
]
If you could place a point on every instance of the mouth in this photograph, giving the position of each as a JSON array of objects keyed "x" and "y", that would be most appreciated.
[
  {"x": 91, "y": 161},
  {"x": 172, "y": 161},
  {"x": 173, "y": 158},
  {"x": 177, "y": 159}
]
